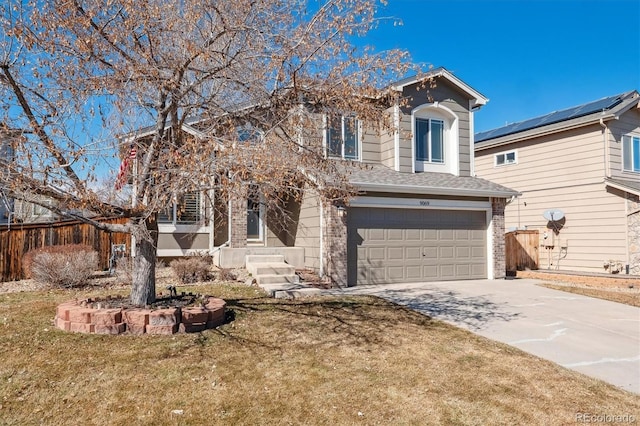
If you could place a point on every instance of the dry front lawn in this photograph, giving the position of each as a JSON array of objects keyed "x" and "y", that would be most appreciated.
[{"x": 321, "y": 361}]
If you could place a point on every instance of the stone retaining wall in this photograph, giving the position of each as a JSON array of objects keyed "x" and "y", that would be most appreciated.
[{"x": 87, "y": 317}]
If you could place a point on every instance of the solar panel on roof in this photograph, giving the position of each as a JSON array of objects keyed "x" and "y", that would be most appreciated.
[{"x": 553, "y": 117}]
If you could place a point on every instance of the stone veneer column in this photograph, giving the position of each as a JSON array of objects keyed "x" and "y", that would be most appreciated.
[
  {"x": 238, "y": 237},
  {"x": 633, "y": 230},
  {"x": 335, "y": 243},
  {"x": 497, "y": 222}
]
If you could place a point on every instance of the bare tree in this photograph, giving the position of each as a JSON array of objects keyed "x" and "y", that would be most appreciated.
[{"x": 88, "y": 81}]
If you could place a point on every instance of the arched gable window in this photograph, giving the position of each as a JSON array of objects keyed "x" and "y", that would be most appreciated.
[{"x": 435, "y": 139}]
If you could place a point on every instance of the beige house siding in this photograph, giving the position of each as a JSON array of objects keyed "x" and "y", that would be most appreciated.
[
  {"x": 387, "y": 150},
  {"x": 563, "y": 172},
  {"x": 629, "y": 123},
  {"x": 182, "y": 241},
  {"x": 371, "y": 142},
  {"x": 308, "y": 229}
]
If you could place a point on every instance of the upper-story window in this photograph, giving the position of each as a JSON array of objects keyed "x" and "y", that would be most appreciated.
[
  {"x": 429, "y": 140},
  {"x": 435, "y": 139},
  {"x": 342, "y": 137},
  {"x": 504, "y": 158},
  {"x": 186, "y": 210},
  {"x": 248, "y": 134},
  {"x": 631, "y": 153}
]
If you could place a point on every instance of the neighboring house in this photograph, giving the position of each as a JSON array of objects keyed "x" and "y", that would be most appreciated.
[
  {"x": 584, "y": 162},
  {"x": 6, "y": 157},
  {"x": 421, "y": 214}
]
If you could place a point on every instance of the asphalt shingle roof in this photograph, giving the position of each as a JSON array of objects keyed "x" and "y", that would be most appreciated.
[{"x": 375, "y": 175}]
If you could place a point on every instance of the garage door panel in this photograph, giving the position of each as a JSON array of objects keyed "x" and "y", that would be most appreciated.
[
  {"x": 413, "y": 253},
  {"x": 395, "y": 253},
  {"x": 396, "y": 245},
  {"x": 395, "y": 235},
  {"x": 446, "y": 252},
  {"x": 463, "y": 252}
]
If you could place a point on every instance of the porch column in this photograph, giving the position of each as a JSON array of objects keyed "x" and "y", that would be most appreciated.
[
  {"x": 238, "y": 220},
  {"x": 497, "y": 225},
  {"x": 335, "y": 243}
]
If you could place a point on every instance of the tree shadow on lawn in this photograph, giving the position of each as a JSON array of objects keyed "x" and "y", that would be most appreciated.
[{"x": 324, "y": 320}]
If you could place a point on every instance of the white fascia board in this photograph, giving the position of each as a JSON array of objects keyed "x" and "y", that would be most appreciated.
[
  {"x": 418, "y": 203},
  {"x": 426, "y": 190}
]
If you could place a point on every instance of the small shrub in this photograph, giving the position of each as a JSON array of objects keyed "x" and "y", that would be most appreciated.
[
  {"x": 226, "y": 274},
  {"x": 63, "y": 266},
  {"x": 27, "y": 259},
  {"x": 191, "y": 269}
]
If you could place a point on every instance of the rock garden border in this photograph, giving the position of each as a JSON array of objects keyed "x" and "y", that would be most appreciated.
[{"x": 89, "y": 316}]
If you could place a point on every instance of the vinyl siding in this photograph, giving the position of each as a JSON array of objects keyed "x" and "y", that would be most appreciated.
[
  {"x": 183, "y": 241},
  {"x": 371, "y": 142},
  {"x": 628, "y": 123},
  {"x": 387, "y": 147},
  {"x": 563, "y": 171},
  {"x": 449, "y": 97},
  {"x": 308, "y": 230}
]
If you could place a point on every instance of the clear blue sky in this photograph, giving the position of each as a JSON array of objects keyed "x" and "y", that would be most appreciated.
[{"x": 529, "y": 57}]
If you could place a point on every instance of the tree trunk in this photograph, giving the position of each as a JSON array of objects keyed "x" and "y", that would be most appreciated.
[{"x": 143, "y": 289}]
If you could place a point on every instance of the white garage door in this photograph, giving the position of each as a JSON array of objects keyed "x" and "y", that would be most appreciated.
[{"x": 409, "y": 245}]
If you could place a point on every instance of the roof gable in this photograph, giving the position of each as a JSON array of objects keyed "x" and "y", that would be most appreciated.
[{"x": 476, "y": 97}]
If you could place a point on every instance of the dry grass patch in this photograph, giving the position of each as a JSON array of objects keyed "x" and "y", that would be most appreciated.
[
  {"x": 627, "y": 297},
  {"x": 316, "y": 361}
]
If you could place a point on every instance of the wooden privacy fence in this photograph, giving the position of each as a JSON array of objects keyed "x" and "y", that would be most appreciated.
[
  {"x": 521, "y": 250},
  {"x": 18, "y": 239}
]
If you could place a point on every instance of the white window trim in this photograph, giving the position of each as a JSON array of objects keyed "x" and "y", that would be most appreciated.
[
  {"x": 506, "y": 163},
  {"x": 451, "y": 151},
  {"x": 624, "y": 153},
  {"x": 325, "y": 142}
]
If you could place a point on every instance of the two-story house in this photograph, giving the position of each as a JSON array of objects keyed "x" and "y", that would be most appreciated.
[
  {"x": 583, "y": 164},
  {"x": 420, "y": 213}
]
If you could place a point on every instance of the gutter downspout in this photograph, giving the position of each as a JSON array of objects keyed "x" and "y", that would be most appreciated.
[
  {"x": 606, "y": 148},
  {"x": 321, "y": 272}
]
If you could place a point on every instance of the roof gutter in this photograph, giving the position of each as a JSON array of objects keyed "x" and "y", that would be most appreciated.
[{"x": 427, "y": 190}]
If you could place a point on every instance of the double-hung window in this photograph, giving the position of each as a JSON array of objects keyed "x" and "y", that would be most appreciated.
[
  {"x": 631, "y": 153},
  {"x": 186, "y": 210},
  {"x": 429, "y": 139},
  {"x": 342, "y": 139}
]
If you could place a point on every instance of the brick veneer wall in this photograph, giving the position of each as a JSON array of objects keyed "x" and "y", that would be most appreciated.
[
  {"x": 335, "y": 243},
  {"x": 238, "y": 237},
  {"x": 497, "y": 222}
]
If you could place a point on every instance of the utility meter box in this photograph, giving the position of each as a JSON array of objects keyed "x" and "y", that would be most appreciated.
[{"x": 548, "y": 238}]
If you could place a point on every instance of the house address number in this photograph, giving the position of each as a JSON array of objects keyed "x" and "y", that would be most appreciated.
[{"x": 424, "y": 203}]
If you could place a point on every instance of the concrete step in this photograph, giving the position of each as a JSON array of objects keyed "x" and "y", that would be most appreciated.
[
  {"x": 297, "y": 293},
  {"x": 270, "y": 269},
  {"x": 264, "y": 258},
  {"x": 277, "y": 279}
]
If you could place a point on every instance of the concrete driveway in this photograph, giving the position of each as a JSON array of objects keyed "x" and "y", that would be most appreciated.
[{"x": 595, "y": 337}]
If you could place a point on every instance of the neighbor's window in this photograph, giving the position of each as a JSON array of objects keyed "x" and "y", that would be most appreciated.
[
  {"x": 429, "y": 140},
  {"x": 342, "y": 139},
  {"x": 505, "y": 158},
  {"x": 631, "y": 153},
  {"x": 185, "y": 211}
]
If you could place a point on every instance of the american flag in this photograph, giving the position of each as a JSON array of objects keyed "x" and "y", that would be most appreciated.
[{"x": 121, "y": 179}]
